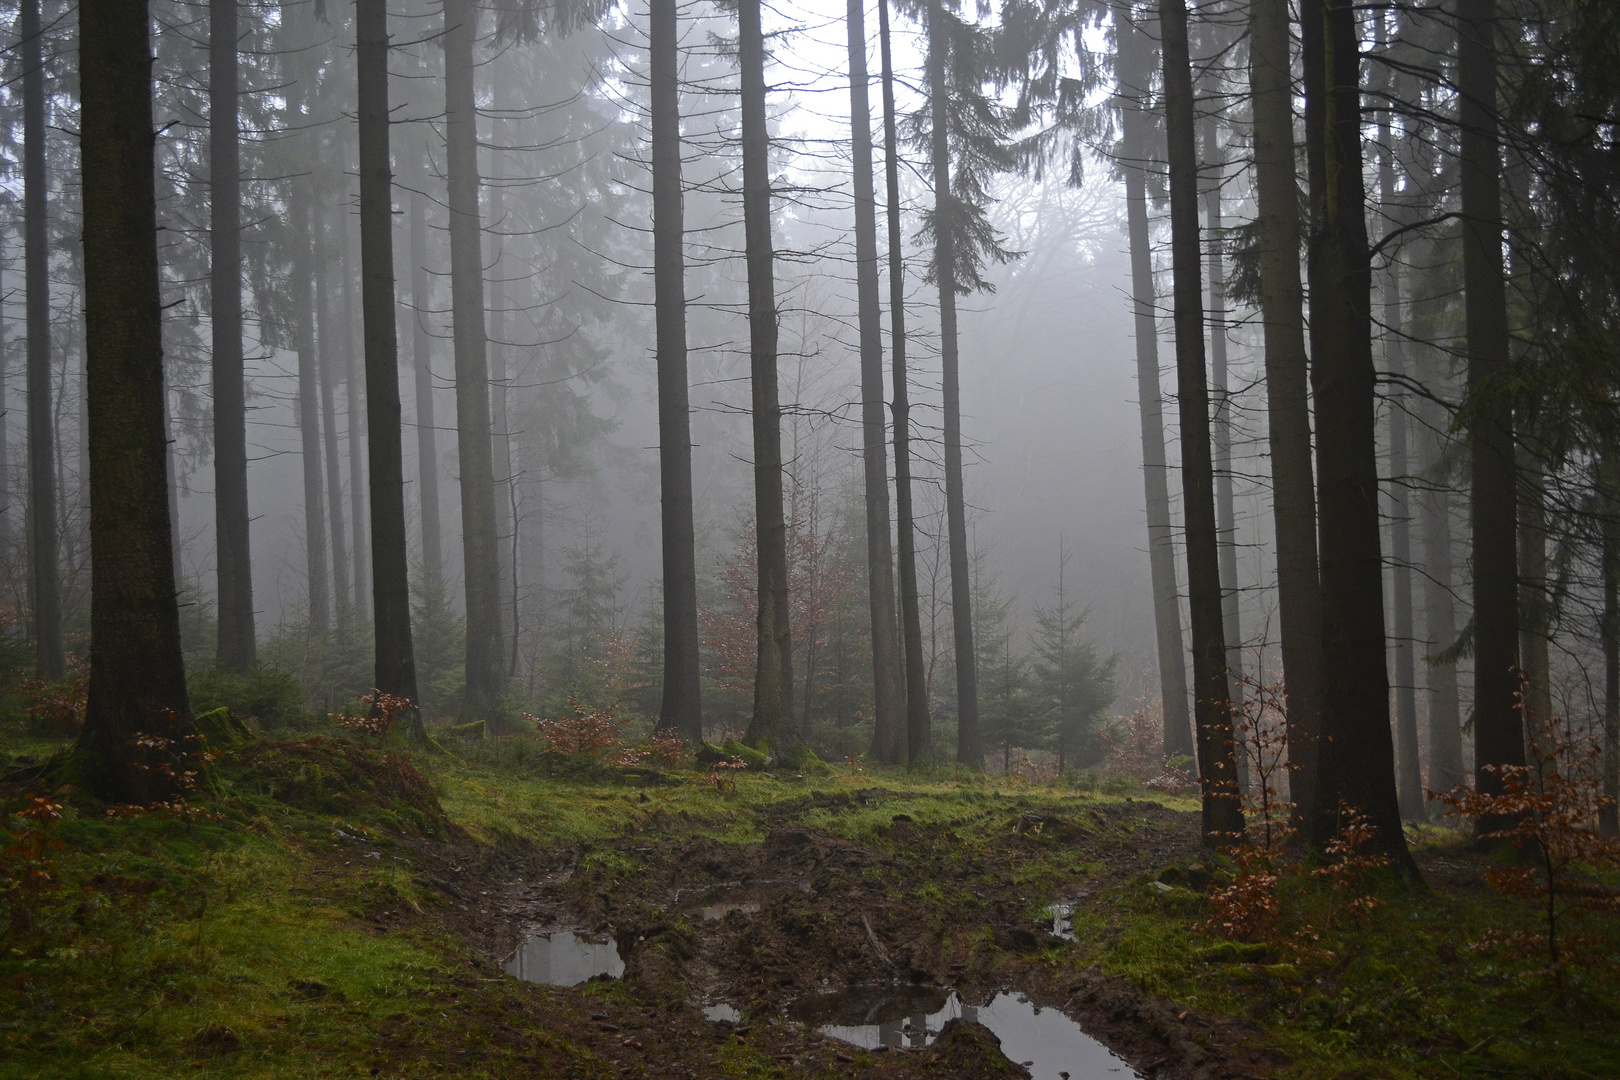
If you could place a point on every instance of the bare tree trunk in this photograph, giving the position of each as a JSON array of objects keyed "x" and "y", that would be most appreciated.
[
  {"x": 505, "y": 495},
  {"x": 1221, "y": 438},
  {"x": 1293, "y": 481},
  {"x": 1222, "y": 818},
  {"x": 1498, "y": 727},
  {"x": 968, "y": 748},
  {"x": 773, "y": 722},
  {"x": 682, "y": 706},
  {"x": 44, "y": 570},
  {"x": 1136, "y": 62},
  {"x": 889, "y": 730},
  {"x": 309, "y": 421},
  {"x": 391, "y": 599},
  {"x": 355, "y": 407},
  {"x": 486, "y": 671},
  {"x": 237, "y": 649},
  {"x": 919, "y": 725},
  {"x": 427, "y": 438},
  {"x": 6, "y": 530},
  {"x": 1446, "y": 769},
  {"x": 1356, "y": 762},
  {"x": 1408, "y": 769},
  {"x": 327, "y": 355},
  {"x": 1608, "y": 486},
  {"x": 137, "y": 674}
]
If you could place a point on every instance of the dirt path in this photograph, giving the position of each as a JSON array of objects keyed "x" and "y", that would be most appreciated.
[{"x": 808, "y": 911}]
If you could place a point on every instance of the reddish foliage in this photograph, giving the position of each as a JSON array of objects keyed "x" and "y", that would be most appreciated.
[
  {"x": 55, "y": 710},
  {"x": 821, "y": 585},
  {"x": 584, "y": 732},
  {"x": 379, "y": 715},
  {"x": 1549, "y": 808}
]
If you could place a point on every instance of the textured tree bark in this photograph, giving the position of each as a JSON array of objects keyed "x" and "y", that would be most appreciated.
[
  {"x": 682, "y": 705},
  {"x": 1288, "y": 409},
  {"x": 1408, "y": 769},
  {"x": 501, "y": 469},
  {"x": 427, "y": 436},
  {"x": 354, "y": 410},
  {"x": 1498, "y": 727},
  {"x": 137, "y": 674},
  {"x": 309, "y": 422},
  {"x": 486, "y": 670},
  {"x": 327, "y": 357},
  {"x": 391, "y": 601},
  {"x": 889, "y": 729},
  {"x": 1221, "y": 440},
  {"x": 968, "y": 748},
  {"x": 919, "y": 725},
  {"x": 237, "y": 648},
  {"x": 44, "y": 570},
  {"x": 309, "y": 408},
  {"x": 1356, "y": 759},
  {"x": 1446, "y": 769},
  {"x": 1609, "y": 486},
  {"x": 1136, "y": 63},
  {"x": 773, "y": 722},
  {"x": 1222, "y": 817}
]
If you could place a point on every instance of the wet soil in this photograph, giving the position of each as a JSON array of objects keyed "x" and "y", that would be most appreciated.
[{"x": 762, "y": 926}]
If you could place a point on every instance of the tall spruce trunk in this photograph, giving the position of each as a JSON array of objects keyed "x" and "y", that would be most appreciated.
[
  {"x": 1221, "y": 440},
  {"x": 681, "y": 708},
  {"x": 237, "y": 648},
  {"x": 486, "y": 669},
  {"x": 1446, "y": 770},
  {"x": 427, "y": 436},
  {"x": 969, "y": 751},
  {"x": 506, "y": 518},
  {"x": 6, "y": 531},
  {"x": 1356, "y": 760},
  {"x": 44, "y": 578},
  {"x": 1288, "y": 407},
  {"x": 309, "y": 418},
  {"x": 919, "y": 724},
  {"x": 303, "y": 239},
  {"x": 354, "y": 410},
  {"x": 1498, "y": 727},
  {"x": 1609, "y": 502},
  {"x": 1136, "y": 63},
  {"x": 1408, "y": 769},
  {"x": 889, "y": 728},
  {"x": 137, "y": 674},
  {"x": 327, "y": 357},
  {"x": 1222, "y": 816},
  {"x": 773, "y": 722},
  {"x": 391, "y": 600}
]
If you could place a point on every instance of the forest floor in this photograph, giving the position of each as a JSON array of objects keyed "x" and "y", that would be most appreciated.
[{"x": 342, "y": 910}]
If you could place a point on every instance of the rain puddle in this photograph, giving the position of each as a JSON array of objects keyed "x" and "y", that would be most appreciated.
[
  {"x": 722, "y": 1012},
  {"x": 1048, "y": 1043},
  {"x": 1062, "y": 916},
  {"x": 563, "y": 958}
]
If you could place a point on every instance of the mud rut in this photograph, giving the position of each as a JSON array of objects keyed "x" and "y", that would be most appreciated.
[{"x": 808, "y": 912}]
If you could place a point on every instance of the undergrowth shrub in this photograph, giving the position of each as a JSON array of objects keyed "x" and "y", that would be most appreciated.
[{"x": 1548, "y": 811}]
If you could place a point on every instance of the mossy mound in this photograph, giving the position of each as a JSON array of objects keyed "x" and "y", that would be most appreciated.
[
  {"x": 337, "y": 777},
  {"x": 969, "y": 1051},
  {"x": 731, "y": 750}
]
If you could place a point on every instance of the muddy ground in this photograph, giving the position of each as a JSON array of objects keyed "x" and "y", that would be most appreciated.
[{"x": 763, "y": 926}]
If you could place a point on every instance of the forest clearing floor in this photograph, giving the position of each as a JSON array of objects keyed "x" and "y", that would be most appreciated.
[{"x": 344, "y": 910}]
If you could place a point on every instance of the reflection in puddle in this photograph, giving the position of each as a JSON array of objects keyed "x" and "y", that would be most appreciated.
[
  {"x": 722, "y": 1013},
  {"x": 1062, "y": 916},
  {"x": 1052, "y": 1045},
  {"x": 562, "y": 958}
]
